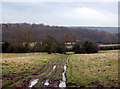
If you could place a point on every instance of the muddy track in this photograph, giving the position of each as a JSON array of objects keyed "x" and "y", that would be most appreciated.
[
  {"x": 11, "y": 76},
  {"x": 53, "y": 64},
  {"x": 58, "y": 68},
  {"x": 39, "y": 71},
  {"x": 44, "y": 70},
  {"x": 14, "y": 75},
  {"x": 52, "y": 81},
  {"x": 52, "y": 69},
  {"x": 61, "y": 65},
  {"x": 12, "y": 83},
  {"x": 41, "y": 84}
]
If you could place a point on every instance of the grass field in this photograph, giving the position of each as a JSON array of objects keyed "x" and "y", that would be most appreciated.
[
  {"x": 17, "y": 68},
  {"x": 90, "y": 70},
  {"x": 109, "y": 45},
  {"x": 99, "y": 69},
  {"x": 20, "y": 62}
]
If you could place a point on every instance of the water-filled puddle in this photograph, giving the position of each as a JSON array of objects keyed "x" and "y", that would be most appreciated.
[
  {"x": 63, "y": 82},
  {"x": 54, "y": 67},
  {"x": 33, "y": 82},
  {"x": 46, "y": 82}
]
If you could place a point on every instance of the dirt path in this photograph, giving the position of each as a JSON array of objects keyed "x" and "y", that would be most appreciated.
[
  {"x": 52, "y": 81},
  {"x": 47, "y": 82},
  {"x": 12, "y": 76},
  {"x": 52, "y": 77}
]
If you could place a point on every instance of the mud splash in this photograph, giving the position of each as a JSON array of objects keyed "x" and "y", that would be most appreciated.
[
  {"x": 33, "y": 82},
  {"x": 63, "y": 82}
]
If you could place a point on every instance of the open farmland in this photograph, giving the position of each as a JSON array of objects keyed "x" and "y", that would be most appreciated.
[
  {"x": 93, "y": 70},
  {"x": 99, "y": 69},
  {"x": 20, "y": 69}
]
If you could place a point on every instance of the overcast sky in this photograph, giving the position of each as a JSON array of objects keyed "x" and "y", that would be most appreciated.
[{"x": 62, "y": 13}]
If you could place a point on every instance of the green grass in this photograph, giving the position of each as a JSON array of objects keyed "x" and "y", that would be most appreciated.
[
  {"x": 107, "y": 51},
  {"x": 22, "y": 62},
  {"x": 82, "y": 69},
  {"x": 99, "y": 69},
  {"x": 16, "y": 63},
  {"x": 109, "y": 45},
  {"x": 70, "y": 53},
  {"x": 69, "y": 47}
]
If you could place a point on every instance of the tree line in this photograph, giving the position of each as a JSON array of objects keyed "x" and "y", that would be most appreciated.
[
  {"x": 49, "y": 45},
  {"x": 25, "y": 37},
  {"x": 61, "y": 33}
]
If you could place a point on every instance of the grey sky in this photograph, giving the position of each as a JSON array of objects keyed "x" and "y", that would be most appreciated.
[{"x": 61, "y": 13}]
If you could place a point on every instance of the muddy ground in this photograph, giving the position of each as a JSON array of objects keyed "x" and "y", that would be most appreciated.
[
  {"x": 48, "y": 75},
  {"x": 54, "y": 75}
]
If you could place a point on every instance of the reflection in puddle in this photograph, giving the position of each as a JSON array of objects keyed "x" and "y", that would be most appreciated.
[
  {"x": 33, "y": 82},
  {"x": 54, "y": 67},
  {"x": 63, "y": 82},
  {"x": 46, "y": 82}
]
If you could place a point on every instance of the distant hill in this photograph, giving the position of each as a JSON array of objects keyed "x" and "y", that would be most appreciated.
[
  {"x": 106, "y": 29},
  {"x": 40, "y": 31}
]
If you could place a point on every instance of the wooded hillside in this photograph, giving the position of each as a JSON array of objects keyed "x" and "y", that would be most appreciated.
[{"x": 38, "y": 32}]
